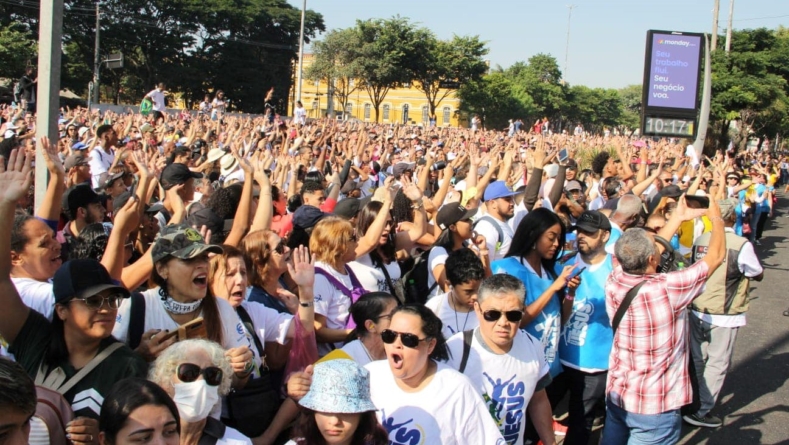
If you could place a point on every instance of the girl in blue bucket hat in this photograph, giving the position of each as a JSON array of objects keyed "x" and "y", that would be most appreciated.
[{"x": 338, "y": 410}]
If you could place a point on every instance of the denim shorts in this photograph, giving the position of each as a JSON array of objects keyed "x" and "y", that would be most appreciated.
[{"x": 625, "y": 428}]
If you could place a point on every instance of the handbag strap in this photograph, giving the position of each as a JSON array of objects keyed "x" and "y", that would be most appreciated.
[
  {"x": 56, "y": 382},
  {"x": 247, "y": 320},
  {"x": 389, "y": 282},
  {"x": 466, "y": 349},
  {"x": 335, "y": 282},
  {"x": 620, "y": 312}
]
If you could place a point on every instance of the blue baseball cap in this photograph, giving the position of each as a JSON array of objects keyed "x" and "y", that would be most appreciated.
[
  {"x": 79, "y": 146},
  {"x": 498, "y": 189}
]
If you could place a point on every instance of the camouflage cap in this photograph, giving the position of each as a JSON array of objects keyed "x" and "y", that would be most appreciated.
[{"x": 181, "y": 241}]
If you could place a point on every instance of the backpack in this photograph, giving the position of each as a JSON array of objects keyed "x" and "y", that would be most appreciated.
[
  {"x": 499, "y": 232},
  {"x": 55, "y": 412},
  {"x": 415, "y": 280}
]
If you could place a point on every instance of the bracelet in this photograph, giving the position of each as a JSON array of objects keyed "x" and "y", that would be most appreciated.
[
  {"x": 716, "y": 218},
  {"x": 417, "y": 204},
  {"x": 305, "y": 303},
  {"x": 569, "y": 297}
]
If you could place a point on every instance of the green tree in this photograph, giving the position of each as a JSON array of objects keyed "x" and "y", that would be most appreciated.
[
  {"x": 631, "y": 97},
  {"x": 17, "y": 50},
  {"x": 333, "y": 63},
  {"x": 496, "y": 98}
]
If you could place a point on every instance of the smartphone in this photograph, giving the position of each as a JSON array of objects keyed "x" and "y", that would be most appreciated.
[
  {"x": 697, "y": 202},
  {"x": 563, "y": 155},
  {"x": 187, "y": 331},
  {"x": 576, "y": 273}
]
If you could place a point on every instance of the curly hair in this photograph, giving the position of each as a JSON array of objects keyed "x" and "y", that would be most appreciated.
[
  {"x": 224, "y": 202},
  {"x": 163, "y": 370},
  {"x": 401, "y": 208},
  {"x": 599, "y": 162}
]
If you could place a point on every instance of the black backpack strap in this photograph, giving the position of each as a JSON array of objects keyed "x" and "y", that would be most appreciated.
[
  {"x": 247, "y": 320},
  {"x": 467, "y": 335},
  {"x": 136, "y": 319},
  {"x": 620, "y": 312}
]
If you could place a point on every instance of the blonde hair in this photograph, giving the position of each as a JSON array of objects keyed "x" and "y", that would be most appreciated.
[
  {"x": 330, "y": 238},
  {"x": 164, "y": 368}
]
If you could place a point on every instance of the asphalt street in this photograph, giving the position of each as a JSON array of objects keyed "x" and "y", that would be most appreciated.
[{"x": 754, "y": 403}]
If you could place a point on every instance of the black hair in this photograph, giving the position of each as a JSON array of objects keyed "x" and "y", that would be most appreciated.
[
  {"x": 6, "y": 145},
  {"x": 310, "y": 187},
  {"x": 463, "y": 266},
  {"x": 178, "y": 151},
  {"x": 314, "y": 176},
  {"x": 294, "y": 202},
  {"x": 529, "y": 231},
  {"x": 224, "y": 202},
  {"x": 431, "y": 326},
  {"x": 364, "y": 220},
  {"x": 611, "y": 187},
  {"x": 19, "y": 236},
  {"x": 599, "y": 162},
  {"x": 126, "y": 396},
  {"x": 91, "y": 243},
  {"x": 19, "y": 391},
  {"x": 368, "y": 432},
  {"x": 103, "y": 129},
  {"x": 368, "y": 307},
  {"x": 401, "y": 208}
]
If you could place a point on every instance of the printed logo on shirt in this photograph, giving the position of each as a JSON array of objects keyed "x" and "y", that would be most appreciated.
[
  {"x": 240, "y": 330},
  {"x": 405, "y": 433},
  {"x": 89, "y": 398},
  {"x": 578, "y": 324},
  {"x": 547, "y": 335},
  {"x": 506, "y": 405}
]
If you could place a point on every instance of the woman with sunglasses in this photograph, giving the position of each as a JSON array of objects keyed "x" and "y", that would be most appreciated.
[
  {"x": 266, "y": 255},
  {"x": 196, "y": 373},
  {"x": 372, "y": 313},
  {"x": 138, "y": 411},
  {"x": 333, "y": 244}
]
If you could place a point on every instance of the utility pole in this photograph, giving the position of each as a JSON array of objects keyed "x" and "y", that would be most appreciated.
[
  {"x": 567, "y": 47},
  {"x": 728, "y": 29},
  {"x": 48, "y": 87},
  {"x": 301, "y": 54},
  {"x": 96, "y": 56},
  {"x": 715, "y": 13}
]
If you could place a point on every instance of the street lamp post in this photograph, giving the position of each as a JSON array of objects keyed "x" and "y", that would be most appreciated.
[{"x": 301, "y": 52}]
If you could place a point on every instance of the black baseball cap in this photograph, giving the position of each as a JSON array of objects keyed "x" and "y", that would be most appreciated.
[
  {"x": 348, "y": 208},
  {"x": 78, "y": 196},
  {"x": 176, "y": 174},
  {"x": 307, "y": 216},
  {"x": 81, "y": 279},
  {"x": 452, "y": 213},
  {"x": 592, "y": 221}
]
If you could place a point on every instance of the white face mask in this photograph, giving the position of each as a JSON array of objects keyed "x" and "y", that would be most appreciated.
[{"x": 195, "y": 399}]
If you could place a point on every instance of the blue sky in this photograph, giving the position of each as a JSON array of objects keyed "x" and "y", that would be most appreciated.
[{"x": 607, "y": 37}]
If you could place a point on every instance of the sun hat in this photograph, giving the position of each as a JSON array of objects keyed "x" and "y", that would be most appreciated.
[
  {"x": 339, "y": 386},
  {"x": 181, "y": 241},
  {"x": 215, "y": 154},
  {"x": 228, "y": 164}
]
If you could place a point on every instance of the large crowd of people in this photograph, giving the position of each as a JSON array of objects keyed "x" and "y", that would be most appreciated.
[{"x": 215, "y": 279}]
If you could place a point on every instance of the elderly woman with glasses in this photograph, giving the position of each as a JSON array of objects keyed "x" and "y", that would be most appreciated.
[{"x": 196, "y": 373}]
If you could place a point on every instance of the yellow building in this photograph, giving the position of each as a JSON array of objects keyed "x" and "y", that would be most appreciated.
[{"x": 401, "y": 105}]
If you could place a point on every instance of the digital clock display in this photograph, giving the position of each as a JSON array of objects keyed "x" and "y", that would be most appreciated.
[{"x": 669, "y": 126}]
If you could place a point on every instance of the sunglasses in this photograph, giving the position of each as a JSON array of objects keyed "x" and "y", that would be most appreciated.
[
  {"x": 189, "y": 372},
  {"x": 95, "y": 302},
  {"x": 512, "y": 316},
  {"x": 389, "y": 336},
  {"x": 280, "y": 249}
]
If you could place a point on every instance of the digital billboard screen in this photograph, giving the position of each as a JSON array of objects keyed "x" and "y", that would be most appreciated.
[{"x": 673, "y": 78}]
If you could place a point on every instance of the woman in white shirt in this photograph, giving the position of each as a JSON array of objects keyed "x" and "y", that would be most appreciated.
[{"x": 372, "y": 314}]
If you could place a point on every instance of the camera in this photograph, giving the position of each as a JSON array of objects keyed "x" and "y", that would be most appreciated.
[{"x": 440, "y": 165}]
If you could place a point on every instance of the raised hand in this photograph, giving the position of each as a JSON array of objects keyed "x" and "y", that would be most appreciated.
[
  {"x": 16, "y": 178},
  {"x": 50, "y": 153},
  {"x": 301, "y": 267}
]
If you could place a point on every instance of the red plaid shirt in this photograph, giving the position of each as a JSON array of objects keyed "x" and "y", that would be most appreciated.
[{"x": 648, "y": 367}]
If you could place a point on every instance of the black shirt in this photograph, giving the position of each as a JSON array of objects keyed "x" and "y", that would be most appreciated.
[{"x": 86, "y": 396}]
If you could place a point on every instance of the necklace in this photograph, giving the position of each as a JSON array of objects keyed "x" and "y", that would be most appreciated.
[
  {"x": 366, "y": 351},
  {"x": 175, "y": 307},
  {"x": 457, "y": 324}
]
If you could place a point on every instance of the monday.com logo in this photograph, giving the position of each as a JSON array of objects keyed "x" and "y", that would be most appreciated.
[{"x": 684, "y": 43}]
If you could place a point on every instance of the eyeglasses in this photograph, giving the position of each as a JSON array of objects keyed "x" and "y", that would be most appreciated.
[
  {"x": 512, "y": 316},
  {"x": 280, "y": 249},
  {"x": 388, "y": 336},
  {"x": 189, "y": 372},
  {"x": 95, "y": 302}
]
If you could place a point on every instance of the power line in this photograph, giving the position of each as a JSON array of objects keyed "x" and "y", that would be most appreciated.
[{"x": 761, "y": 18}]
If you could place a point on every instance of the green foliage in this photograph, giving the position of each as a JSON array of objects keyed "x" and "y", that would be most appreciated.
[{"x": 17, "y": 50}]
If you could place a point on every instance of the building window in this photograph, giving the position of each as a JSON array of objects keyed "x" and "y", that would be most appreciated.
[
  {"x": 349, "y": 110},
  {"x": 350, "y": 83},
  {"x": 425, "y": 113},
  {"x": 386, "y": 112},
  {"x": 367, "y": 108},
  {"x": 447, "y": 115},
  {"x": 405, "y": 114}
]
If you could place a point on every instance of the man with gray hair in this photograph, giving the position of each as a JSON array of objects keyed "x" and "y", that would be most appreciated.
[
  {"x": 719, "y": 312},
  {"x": 624, "y": 217},
  {"x": 648, "y": 379},
  {"x": 505, "y": 363}
]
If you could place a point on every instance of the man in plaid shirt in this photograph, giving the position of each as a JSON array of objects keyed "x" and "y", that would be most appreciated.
[{"x": 648, "y": 379}]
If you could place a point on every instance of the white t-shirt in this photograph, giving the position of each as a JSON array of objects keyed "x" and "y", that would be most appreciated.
[
  {"x": 36, "y": 295},
  {"x": 100, "y": 161},
  {"x": 370, "y": 277},
  {"x": 233, "y": 437},
  {"x": 331, "y": 302},
  {"x": 358, "y": 352},
  {"x": 505, "y": 381},
  {"x": 270, "y": 326},
  {"x": 452, "y": 321},
  {"x": 157, "y": 97},
  {"x": 301, "y": 115},
  {"x": 156, "y": 317},
  {"x": 485, "y": 228},
  {"x": 448, "y": 411},
  {"x": 437, "y": 256}
]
